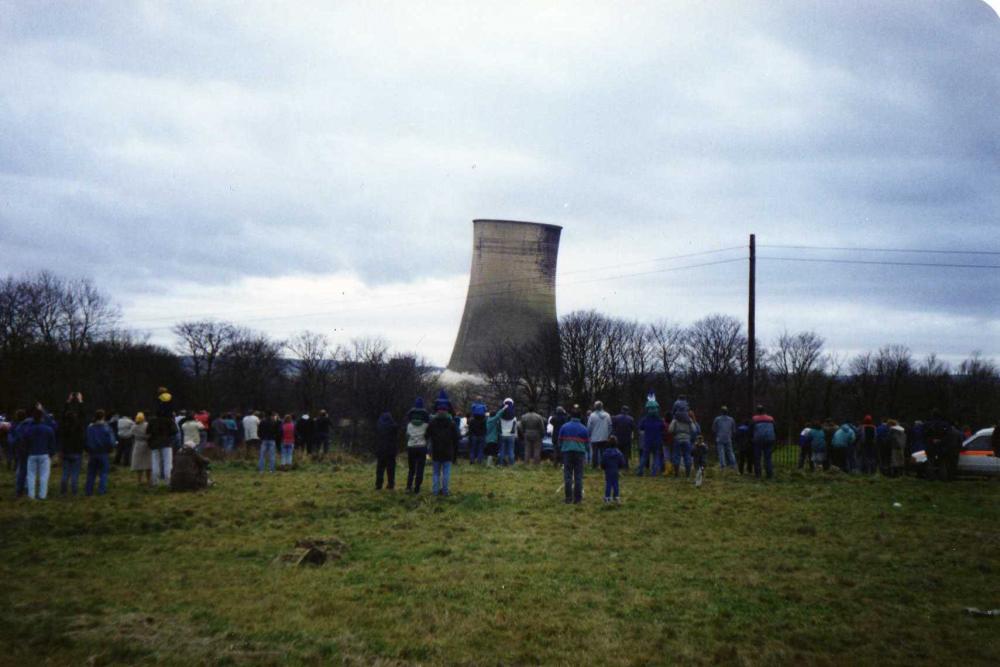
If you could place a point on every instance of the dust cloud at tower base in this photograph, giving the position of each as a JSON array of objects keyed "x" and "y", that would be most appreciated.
[{"x": 512, "y": 289}]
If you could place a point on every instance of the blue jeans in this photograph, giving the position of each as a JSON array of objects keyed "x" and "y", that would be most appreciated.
[
  {"x": 39, "y": 467},
  {"x": 610, "y": 484},
  {"x": 98, "y": 465},
  {"x": 441, "y": 475},
  {"x": 726, "y": 455},
  {"x": 286, "y": 454},
  {"x": 507, "y": 449},
  {"x": 573, "y": 475},
  {"x": 767, "y": 449},
  {"x": 656, "y": 454},
  {"x": 226, "y": 442},
  {"x": 71, "y": 473},
  {"x": 266, "y": 451},
  {"x": 682, "y": 450},
  {"x": 477, "y": 448}
]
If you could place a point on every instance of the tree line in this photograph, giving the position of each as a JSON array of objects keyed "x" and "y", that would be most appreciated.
[
  {"x": 593, "y": 356},
  {"x": 58, "y": 335}
]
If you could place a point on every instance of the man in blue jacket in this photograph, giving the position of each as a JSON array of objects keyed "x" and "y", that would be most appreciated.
[
  {"x": 17, "y": 444},
  {"x": 100, "y": 445},
  {"x": 39, "y": 444}
]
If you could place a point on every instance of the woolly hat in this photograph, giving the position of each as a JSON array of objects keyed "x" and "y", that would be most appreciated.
[
  {"x": 442, "y": 402},
  {"x": 868, "y": 419},
  {"x": 652, "y": 407},
  {"x": 508, "y": 401},
  {"x": 419, "y": 403}
]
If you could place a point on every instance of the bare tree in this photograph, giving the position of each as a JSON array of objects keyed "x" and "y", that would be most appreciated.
[
  {"x": 204, "y": 342},
  {"x": 979, "y": 389},
  {"x": 251, "y": 368},
  {"x": 893, "y": 369},
  {"x": 714, "y": 346},
  {"x": 668, "y": 339},
  {"x": 313, "y": 365},
  {"x": 797, "y": 362}
]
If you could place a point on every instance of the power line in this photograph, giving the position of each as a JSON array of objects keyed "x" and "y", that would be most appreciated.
[
  {"x": 896, "y": 250},
  {"x": 480, "y": 284},
  {"x": 882, "y": 263}
]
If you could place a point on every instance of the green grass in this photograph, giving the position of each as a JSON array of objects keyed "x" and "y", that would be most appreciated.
[{"x": 807, "y": 569}]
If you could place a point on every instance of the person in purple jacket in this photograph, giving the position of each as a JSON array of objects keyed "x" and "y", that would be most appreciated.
[{"x": 612, "y": 461}]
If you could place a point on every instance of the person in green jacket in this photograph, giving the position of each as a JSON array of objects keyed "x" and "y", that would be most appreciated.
[{"x": 493, "y": 436}]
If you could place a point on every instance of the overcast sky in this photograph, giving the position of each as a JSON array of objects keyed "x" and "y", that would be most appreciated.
[{"x": 292, "y": 166}]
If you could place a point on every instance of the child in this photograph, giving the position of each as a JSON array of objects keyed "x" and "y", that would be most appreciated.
[
  {"x": 699, "y": 453},
  {"x": 612, "y": 461},
  {"x": 287, "y": 440}
]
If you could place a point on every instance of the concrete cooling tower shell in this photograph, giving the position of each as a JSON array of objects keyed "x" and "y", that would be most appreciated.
[{"x": 512, "y": 289}]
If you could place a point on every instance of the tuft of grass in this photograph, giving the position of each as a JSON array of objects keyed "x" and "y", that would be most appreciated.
[{"x": 804, "y": 569}]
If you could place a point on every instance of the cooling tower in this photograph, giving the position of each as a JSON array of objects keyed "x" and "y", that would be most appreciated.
[{"x": 512, "y": 289}]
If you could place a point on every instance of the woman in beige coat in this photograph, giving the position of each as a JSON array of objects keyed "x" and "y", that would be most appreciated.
[{"x": 142, "y": 463}]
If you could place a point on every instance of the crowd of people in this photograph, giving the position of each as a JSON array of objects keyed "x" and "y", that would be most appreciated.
[{"x": 167, "y": 447}]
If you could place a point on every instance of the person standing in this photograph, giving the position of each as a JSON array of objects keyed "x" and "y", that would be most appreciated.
[
  {"x": 612, "y": 461},
  {"x": 141, "y": 464},
  {"x": 869, "y": 446},
  {"x": 270, "y": 435},
  {"x": 763, "y": 436},
  {"x": 683, "y": 433},
  {"x": 818, "y": 448},
  {"x": 205, "y": 420},
  {"x": 508, "y": 432},
  {"x": 220, "y": 434},
  {"x": 651, "y": 429},
  {"x": 322, "y": 432},
  {"x": 744, "y": 449},
  {"x": 897, "y": 448},
  {"x": 162, "y": 436},
  {"x": 843, "y": 441},
  {"x": 416, "y": 445},
  {"x": 73, "y": 436},
  {"x": 251, "y": 436},
  {"x": 805, "y": 448},
  {"x": 533, "y": 427},
  {"x": 100, "y": 444},
  {"x": 599, "y": 428},
  {"x": 192, "y": 430},
  {"x": 573, "y": 441},
  {"x": 40, "y": 445},
  {"x": 305, "y": 433},
  {"x": 386, "y": 438},
  {"x": 18, "y": 445},
  {"x": 233, "y": 431},
  {"x": 557, "y": 420},
  {"x": 287, "y": 441},
  {"x": 477, "y": 431},
  {"x": 442, "y": 440},
  {"x": 724, "y": 428},
  {"x": 623, "y": 428},
  {"x": 123, "y": 435}
]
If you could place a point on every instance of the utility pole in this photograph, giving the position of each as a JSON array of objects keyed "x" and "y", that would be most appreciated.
[{"x": 751, "y": 326}]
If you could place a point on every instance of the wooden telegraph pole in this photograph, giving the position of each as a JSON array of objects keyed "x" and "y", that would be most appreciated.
[{"x": 751, "y": 327}]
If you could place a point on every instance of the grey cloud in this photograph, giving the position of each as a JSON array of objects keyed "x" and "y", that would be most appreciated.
[{"x": 159, "y": 143}]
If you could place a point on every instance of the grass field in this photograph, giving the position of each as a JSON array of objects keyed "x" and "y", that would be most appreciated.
[{"x": 813, "y": 570}]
